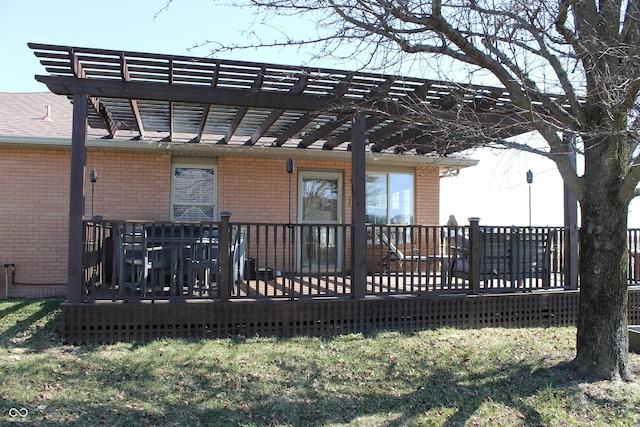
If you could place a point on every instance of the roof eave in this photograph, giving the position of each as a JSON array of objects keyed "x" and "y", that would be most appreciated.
[{"x": 218, "y": 150}]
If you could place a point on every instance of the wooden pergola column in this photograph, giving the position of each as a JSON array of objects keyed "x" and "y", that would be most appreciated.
[
  {"x": 359, "y": 234},
  {"x": 76, "y": 196}
]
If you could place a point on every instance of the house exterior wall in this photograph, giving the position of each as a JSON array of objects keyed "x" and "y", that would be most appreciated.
[
  {"x": 130, "y": 186},
  {"x": 427, "y": 188},
  {"x": 34, "y": 213},
  {"x": 34, "y": 202},
  {"x": 257, "y": 190}
]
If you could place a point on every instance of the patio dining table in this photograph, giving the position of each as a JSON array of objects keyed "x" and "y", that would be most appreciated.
[{"x": 192, "y": 263}]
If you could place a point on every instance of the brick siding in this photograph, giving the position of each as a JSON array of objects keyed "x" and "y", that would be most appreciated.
[{"x": 34, "y": 201}]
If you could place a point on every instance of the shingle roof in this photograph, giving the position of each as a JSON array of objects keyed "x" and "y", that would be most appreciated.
[{"x": 25, "y": 115}]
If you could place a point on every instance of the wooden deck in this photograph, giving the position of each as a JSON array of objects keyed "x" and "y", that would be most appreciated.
[
  {"x": 311, "y": 286},
  {"x": 250, "y": 291},
  {"x": 103, "y": 322},
  {"x": 307, "y": 286}
]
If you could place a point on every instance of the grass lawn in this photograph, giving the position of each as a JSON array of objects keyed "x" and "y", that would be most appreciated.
[{"x": 448, "y": 377}]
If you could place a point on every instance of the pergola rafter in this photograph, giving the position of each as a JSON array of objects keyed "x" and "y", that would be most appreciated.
[
  {"x": 370, "y": 123},
  {"x": 242, "y": 111},
  {"x": 132, "y": 102},
  {"x": 195, "y": 100},
  {"x": 275, "y": 114},
  {"x": 207, "y": 109},
  {"x": 103, "y": 113},
  {"x": 190, "y": 99}
]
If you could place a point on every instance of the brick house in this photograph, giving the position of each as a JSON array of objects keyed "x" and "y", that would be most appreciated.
[
  {"x": 139, "y": 180},
  {"x": 181, "y": 196}
]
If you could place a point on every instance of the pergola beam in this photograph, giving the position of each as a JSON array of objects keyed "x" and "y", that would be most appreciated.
[
  {"x": 135, "y": 110},
  {"x": 101, "y": 112},
  {"x": 192, "y": 94}
]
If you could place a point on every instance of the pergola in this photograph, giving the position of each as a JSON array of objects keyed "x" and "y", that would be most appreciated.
[{"x": 190, "y": 100}]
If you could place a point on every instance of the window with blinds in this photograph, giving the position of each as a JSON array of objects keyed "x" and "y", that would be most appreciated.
[{"x": 193, "y": 193}]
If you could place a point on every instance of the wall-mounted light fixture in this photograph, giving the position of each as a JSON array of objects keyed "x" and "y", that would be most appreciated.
[{"x": 93, "y": 177}]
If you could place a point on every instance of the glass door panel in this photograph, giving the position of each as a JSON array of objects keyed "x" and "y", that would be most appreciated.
[{"x": 320, "y": 200}]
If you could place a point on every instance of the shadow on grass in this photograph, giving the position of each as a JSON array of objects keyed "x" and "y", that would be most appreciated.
[
  {"x": 13, "y": 306},
  {"x": 134, "y": 384},
  {"x": 441, "y": 390},
  {"x": 32, "y": 324},
  {"x": 207, "y": 393}
]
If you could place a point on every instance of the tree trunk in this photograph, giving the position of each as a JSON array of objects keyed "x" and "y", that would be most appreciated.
[{"x": 602, "y": 339}]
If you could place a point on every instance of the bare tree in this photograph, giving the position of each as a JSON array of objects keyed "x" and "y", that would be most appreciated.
[{"x": 570, "y": 67}]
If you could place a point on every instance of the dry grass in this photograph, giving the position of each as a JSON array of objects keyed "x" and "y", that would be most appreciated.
[{"x": 448, "y": 377}]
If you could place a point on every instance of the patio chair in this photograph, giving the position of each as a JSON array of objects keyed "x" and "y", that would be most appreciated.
[
  {"x": 205, "y": 265},
  {"x": 509, "y": 256},
  {"x": 132, "y": 261},
  {"x": 400, "y": 257},
  {"x": 494, "y": 253},
  {"x": 238, "y": 255},
  {"x": 206, "y": 261}
]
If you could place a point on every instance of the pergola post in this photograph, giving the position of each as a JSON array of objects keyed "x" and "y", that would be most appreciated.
[
  {"x": 76, "y": 197},
  {"x": 224, "y": 239},
  {"x": 571, "y": 223},
  {"x": 359, "y": 233}
]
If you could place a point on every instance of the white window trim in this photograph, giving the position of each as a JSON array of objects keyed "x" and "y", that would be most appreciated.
[{"x": 194, "y": 164}]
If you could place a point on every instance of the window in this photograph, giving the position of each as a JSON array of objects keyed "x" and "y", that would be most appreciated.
[
  {"x": 193, "y": 195},
  {"x": 389, "y": 198}
]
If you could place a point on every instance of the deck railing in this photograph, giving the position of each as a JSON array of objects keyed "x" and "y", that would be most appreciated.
[
  {"x": 472, "y": 259},
  {"x": 172, "y": 261},
  {"x": 634, "y": 255}
]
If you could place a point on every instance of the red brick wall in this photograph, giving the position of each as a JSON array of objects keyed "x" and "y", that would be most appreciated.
[
  {"x": 254, "y": 190},
  {"x": 130, "y": 186},
  {"x": 427, "y": 195},
  {"x": 34, "y": 199},
  {"x": 257, "y": 190},
  {"x": 34, "y": 208}
]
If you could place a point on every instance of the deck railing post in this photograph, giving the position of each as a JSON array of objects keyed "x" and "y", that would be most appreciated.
[
  {"x": 224, "y": 237},
  {"x": 474, "y": 255}
]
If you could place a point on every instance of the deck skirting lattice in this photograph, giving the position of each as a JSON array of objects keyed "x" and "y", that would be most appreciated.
[{"x": 112, "y": 322}]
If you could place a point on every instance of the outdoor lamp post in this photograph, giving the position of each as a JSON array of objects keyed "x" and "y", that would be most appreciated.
[
  {"x": 290, "y": 173},
  {"x": 529, "y": 181},
  {"x": 93, "y": 177},
  {"x": 289, "y": 288}
]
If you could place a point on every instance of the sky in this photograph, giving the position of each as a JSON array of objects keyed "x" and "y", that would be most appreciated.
[{"x": 496, "y": 190}]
